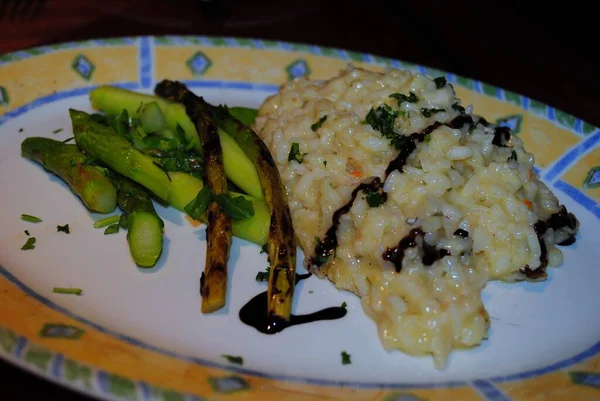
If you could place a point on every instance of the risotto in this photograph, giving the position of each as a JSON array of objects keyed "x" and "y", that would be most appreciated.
[{"x": 402, "y": 196}]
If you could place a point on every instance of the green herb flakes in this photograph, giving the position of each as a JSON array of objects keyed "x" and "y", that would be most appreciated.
[
  {"x": 30, "y": 218},
  {"x": 20, "y": 129},
  {"x": 68, "y": 291},
  {"x": 344, "y": 305},
  {"x": 375, "y": 199},
  {"x": 410, "y": 98},
  {"x": 513, "y": 156},
  {"x": 263, "y": 276},
  {"x": 199, "y": 204},
  {"x": 107, "y": 221},
  {"x": 346, "y": 358},
  {"x": 68, "y": 139},
  {"x": 237, "y": 360},
  {"x": 318, "y": 124},
  {"x": 26, "y": 232},
  {"x": 430, "y": 112},
  {"x": 112, "y": 229},
  {"x": 325, "y": 163},
  {"x": 382, "y": 119},
  {"x": 238, "y": 208},
  {"x": 295, "y": 153},
  {"x": 30, "y": 244},
  {"x": 458, "y": 107},
  {"x": 440, "y": 82},
  {"x": 56, "y": 131},
  {"x": 264, "y": 248},
  {"x": 63, "y": 229}
]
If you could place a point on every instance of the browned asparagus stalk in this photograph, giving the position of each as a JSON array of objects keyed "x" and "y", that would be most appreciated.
[{"x": 281, "y": 244}]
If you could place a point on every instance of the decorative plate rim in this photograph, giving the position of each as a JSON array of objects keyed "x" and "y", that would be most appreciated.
[{"x": 233, "y": 42}]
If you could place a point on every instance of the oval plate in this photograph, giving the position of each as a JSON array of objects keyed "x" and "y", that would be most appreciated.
[{"x": 139, "y": 335}]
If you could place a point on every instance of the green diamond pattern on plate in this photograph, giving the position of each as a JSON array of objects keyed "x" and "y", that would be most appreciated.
[
  {"x": 489, "y": 90},
  {"x": 298, "y": 68},
  {"x": 245, "y": 42},
  {"x": 434, "y": 73},
  {"x": 38, "y": 356},
  {"x": 229, "y": 384},
  {"x": 512, "y": 97},
  {"x": 300, "y": 47},
  {"x": 355, "y": 56},
  {"x": 466, "y": 82},
  {"x": 117, "y": 386},
  {"x": 199, "y": 63},
  {"x": 592, "y": 180},
  {"x": 591, "y": 379},
  {"x": 61, "y": 331},
  {"x": 166, "y": 395},
  {"x": 270, "y": 43},
  {"x": 513, "y": 122},
  {"x": 565, "y": 119},
  {"x": 328, "y": 51},
  {"x": 83, "y": 66},
  {"x": 538, "y": 108},
  {"x": 402, "y": 397},
  {"x": 218, "y": 41},
  {"x": 8, "y": 340},
  {"x": 3, "y": 96},
  {"x": 76, "y": 373},
  {"x": 588, "y": 128},
  {"x": 382, "y": 60}
]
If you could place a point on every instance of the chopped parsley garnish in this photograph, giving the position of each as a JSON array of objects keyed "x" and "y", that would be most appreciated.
[
  {"x": 263, "y": 276},
  {"x": 458, "y": 108},
  {"x": 68, "y": 139},
  {"x": 310, "y": 291},
  {"x": 238, "y": 360},
  {"x": 344, "y": 305},
  {"x": 264, "y": 248},
  {"x": 56, "y": 131},
  {"x": 30, "y": 244},
  {"x": 30, "y": 218},
  {"x": 382, "y": 119},
  {"x": 238, "y": 208},
  {"x": 318, "y": 124},
  {"x": 346, "y": 358},
  {"x": 513, "y": 156},
  {"x": 112, "y": 229},
  {"x": 199, "y": 204},
  {"x": 70, "y": 291},
  {"x": 375, "y": 199},
  {"x": 26, "y": 232},
  {"x": 440, "y": 82},
  {"x": 410, "y": 98},
  {"x": 63, "y": 229},
  {"x": 400, "y": 141},
  {"x": 107, "y": 221},
  {"x": 430, "y": 112},
  {"x": 325, "y": 163},
  {"x": 20, "y": 129},
  {"x": 295, "y": 153}
]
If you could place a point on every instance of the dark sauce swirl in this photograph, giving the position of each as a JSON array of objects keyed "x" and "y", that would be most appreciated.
[
  {"x": 253, "y": 314},
  {"x": 430, "y": 253}
]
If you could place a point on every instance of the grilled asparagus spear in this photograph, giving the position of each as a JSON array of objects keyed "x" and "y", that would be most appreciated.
[
  {"x": 213, "y": 284},
  {"x": 281, "y": 244},
  {"x": 67, "y": 162}
]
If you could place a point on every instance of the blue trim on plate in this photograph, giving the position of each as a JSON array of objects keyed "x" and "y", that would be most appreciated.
[
  {"x": 56, "y": 367},
  {"x": 22, "y": 341},
  {"x": 489, "y": 391},
  {"x": 145, "y": 62},
  {"x": 41, "y": 101},
  {"x": 572, "y": 155},
  {"x": 579, "y": 197},
  {"x": 551, "y": 113},
  {"x": 231, "y": 85}
]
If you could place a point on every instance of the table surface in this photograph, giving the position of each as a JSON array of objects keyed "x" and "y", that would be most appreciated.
[{"x": 537, "y": 50}]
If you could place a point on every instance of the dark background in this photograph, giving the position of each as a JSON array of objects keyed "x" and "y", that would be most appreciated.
[{"x": 546, "y": 51}]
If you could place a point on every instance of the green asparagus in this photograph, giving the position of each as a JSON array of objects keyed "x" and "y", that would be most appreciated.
[
  {"x": 67, "y": 162},
  {"x": 281, "y": 243},
  {"x": 245, "y": 115},
  {"x": 144, "y": 226},
  {"x": 238, "y": 168},
  {"x": 105, "y": 145}
]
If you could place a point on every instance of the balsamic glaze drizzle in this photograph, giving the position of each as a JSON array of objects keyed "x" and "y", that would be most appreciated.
[{"x": 253, "y": 314}]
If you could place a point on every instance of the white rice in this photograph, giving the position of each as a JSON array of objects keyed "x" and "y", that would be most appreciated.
[{"x": 455, "y": 179}]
